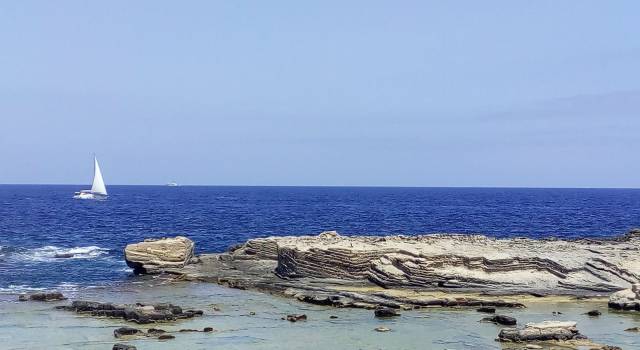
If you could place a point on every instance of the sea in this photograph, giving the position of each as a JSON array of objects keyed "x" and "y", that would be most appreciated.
[{"x": 49, "y": 240}]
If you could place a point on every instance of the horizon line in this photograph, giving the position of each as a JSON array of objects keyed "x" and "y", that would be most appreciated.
[{"x": 338, "y": 186}]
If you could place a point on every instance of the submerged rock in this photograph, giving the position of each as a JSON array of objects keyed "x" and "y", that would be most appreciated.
[
  {"x": 594, "y": 313},
  {"x": 543, "y": 331},
  {"x": 501, "y": 319},
  {"x": 126, "y": 331},
  {"x": 386, "y": 312},
  {"x": 166, "y": 337},
  {"x": 139, "y": 313},
  {"x": 46, "y": 296},
  {"x": 154, "y": 255},
  {"x": 486, "y": 309},
  {"x": 296, "y": 317},
  {"x": 120, "y": 346}
]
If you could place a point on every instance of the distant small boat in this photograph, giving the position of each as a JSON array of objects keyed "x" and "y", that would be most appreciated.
[
  {"x": 98, "y": 189},
  {"x": 172, "y": 184}
]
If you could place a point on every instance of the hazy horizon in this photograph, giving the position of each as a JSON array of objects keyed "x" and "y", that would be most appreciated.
[{"x": 541, "y": 94}]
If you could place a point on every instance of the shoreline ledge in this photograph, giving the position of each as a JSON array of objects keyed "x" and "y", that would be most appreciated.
[{"x": 435, "y": 270}]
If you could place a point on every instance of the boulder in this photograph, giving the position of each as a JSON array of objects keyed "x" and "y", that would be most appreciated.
[
  {"x": 385, "y": 312},
  {"x": 154, "y": 255},
  {"x": 543, "y": 331},
  {"x": 594, "y": 313},
  {"x": 126, "y": 331},
  {"x": 501, "y": 319},
  {"x": 627, "y": 299}
]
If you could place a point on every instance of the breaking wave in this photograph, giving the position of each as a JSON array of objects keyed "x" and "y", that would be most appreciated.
[{"x": 51, "y": 253}]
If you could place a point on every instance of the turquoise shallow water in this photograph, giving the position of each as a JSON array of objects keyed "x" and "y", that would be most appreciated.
[{"x": 33, "y": 325}]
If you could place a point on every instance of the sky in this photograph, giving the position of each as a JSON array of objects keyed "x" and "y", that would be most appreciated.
[{"x": 335, "y": 93}]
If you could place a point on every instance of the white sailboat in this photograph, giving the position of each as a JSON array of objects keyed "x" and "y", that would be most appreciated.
[{"x": 98, "y": 189}]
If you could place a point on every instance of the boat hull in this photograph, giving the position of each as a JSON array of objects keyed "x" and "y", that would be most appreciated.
[{"x": 89, "y": 195}]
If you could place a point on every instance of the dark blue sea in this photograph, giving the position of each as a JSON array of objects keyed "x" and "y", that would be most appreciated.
[{"x": 38, "y": 222}]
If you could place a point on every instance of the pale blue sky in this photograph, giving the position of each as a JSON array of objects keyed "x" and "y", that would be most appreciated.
[{"x": 447, "y": 93}]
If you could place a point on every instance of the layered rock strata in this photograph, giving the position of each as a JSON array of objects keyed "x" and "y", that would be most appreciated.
[
  {"x": 365, "y": 271},
  {"x": 154, "y": 255}
]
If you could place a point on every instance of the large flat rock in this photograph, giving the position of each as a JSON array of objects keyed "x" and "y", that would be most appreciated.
[{"x": 156, "y": 255}]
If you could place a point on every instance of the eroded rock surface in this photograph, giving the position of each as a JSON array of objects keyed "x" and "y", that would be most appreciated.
[
  {"x": 155, "y": 255},
  {"x": 365, "y": 271}
]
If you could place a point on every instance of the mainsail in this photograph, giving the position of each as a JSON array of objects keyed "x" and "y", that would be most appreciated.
[{"x": 98, "y": 182}]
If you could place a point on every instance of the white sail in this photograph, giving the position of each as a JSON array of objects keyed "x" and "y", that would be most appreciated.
[{"x": 98, "y": 182}]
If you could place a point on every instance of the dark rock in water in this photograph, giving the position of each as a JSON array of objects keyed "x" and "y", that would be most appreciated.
[
  {"x": 296, "y": 317},
  {"x": 139, "y": 313},
  {"x": 207, "y": 329},
  {"x": 123, "y": 347},
  {"x": 610, "y": 347},
  {"x": 543, "y": 331},
  {"x": 166, "y": 337},
  {"x": 632, "y": 329},
  {"x": 50, "y": 296},
  {"x": 188, "y": 330},
  {"x": 155, "y": 331},
  {"x": 594, "y": 313},
  {"x": 63, "y": 255},
  {"x": 333, "y": 316},
  {"x": 385, "y": 312},
  {"x": 125, "y": 331},
  {"x": 486, "y": 309},
  {"x": 501, "y": 319}
]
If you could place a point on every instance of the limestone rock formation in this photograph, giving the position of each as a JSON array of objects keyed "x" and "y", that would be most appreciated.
[
  {"x": 155, "y": 255},
  {"x": 543, "y": 331},
  {"x": 628, "y": 299},
  {"x": 437, "y": 270}
]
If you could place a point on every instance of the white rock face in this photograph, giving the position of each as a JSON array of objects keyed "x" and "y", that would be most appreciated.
[
  {"x": 628, "y": 299},
  {"x": 153, "y": 255}
]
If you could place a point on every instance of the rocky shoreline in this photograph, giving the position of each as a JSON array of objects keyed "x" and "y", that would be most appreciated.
[{"x": 405, "y": 271}]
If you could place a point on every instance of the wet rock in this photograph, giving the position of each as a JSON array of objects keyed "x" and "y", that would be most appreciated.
[
  {"x": 155, "y": 331},
  {"x": 594, "y": 313},
  {"x": 628, "y": 299},
  {"x": 632, "y": 329},
  {"x": 333, "y": 317},
  {"x": 126, "y": 331},
  {"x": 381, "y": 329},
  {"x": 296, "y": 317},
  {"x": 501, "y": 319},
  {"x": 166, "y": 337},
  {"x": 543, "y": 331},
  {"x": 120, "y": 346},
  {"x": 47, "y": 296},
  {"x": 386, "y": 312},
  {"x": 188, "y": 330},
  {"x": 207, "y": 329},
  {"x": 138, "y": 313},
  {"x": 154, "y": 255},
  {"x": 487, "y": 309},
  {"x": 608, "y": 347}
]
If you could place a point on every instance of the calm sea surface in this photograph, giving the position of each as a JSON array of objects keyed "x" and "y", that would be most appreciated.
[{"x": 40, "y": 222}]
